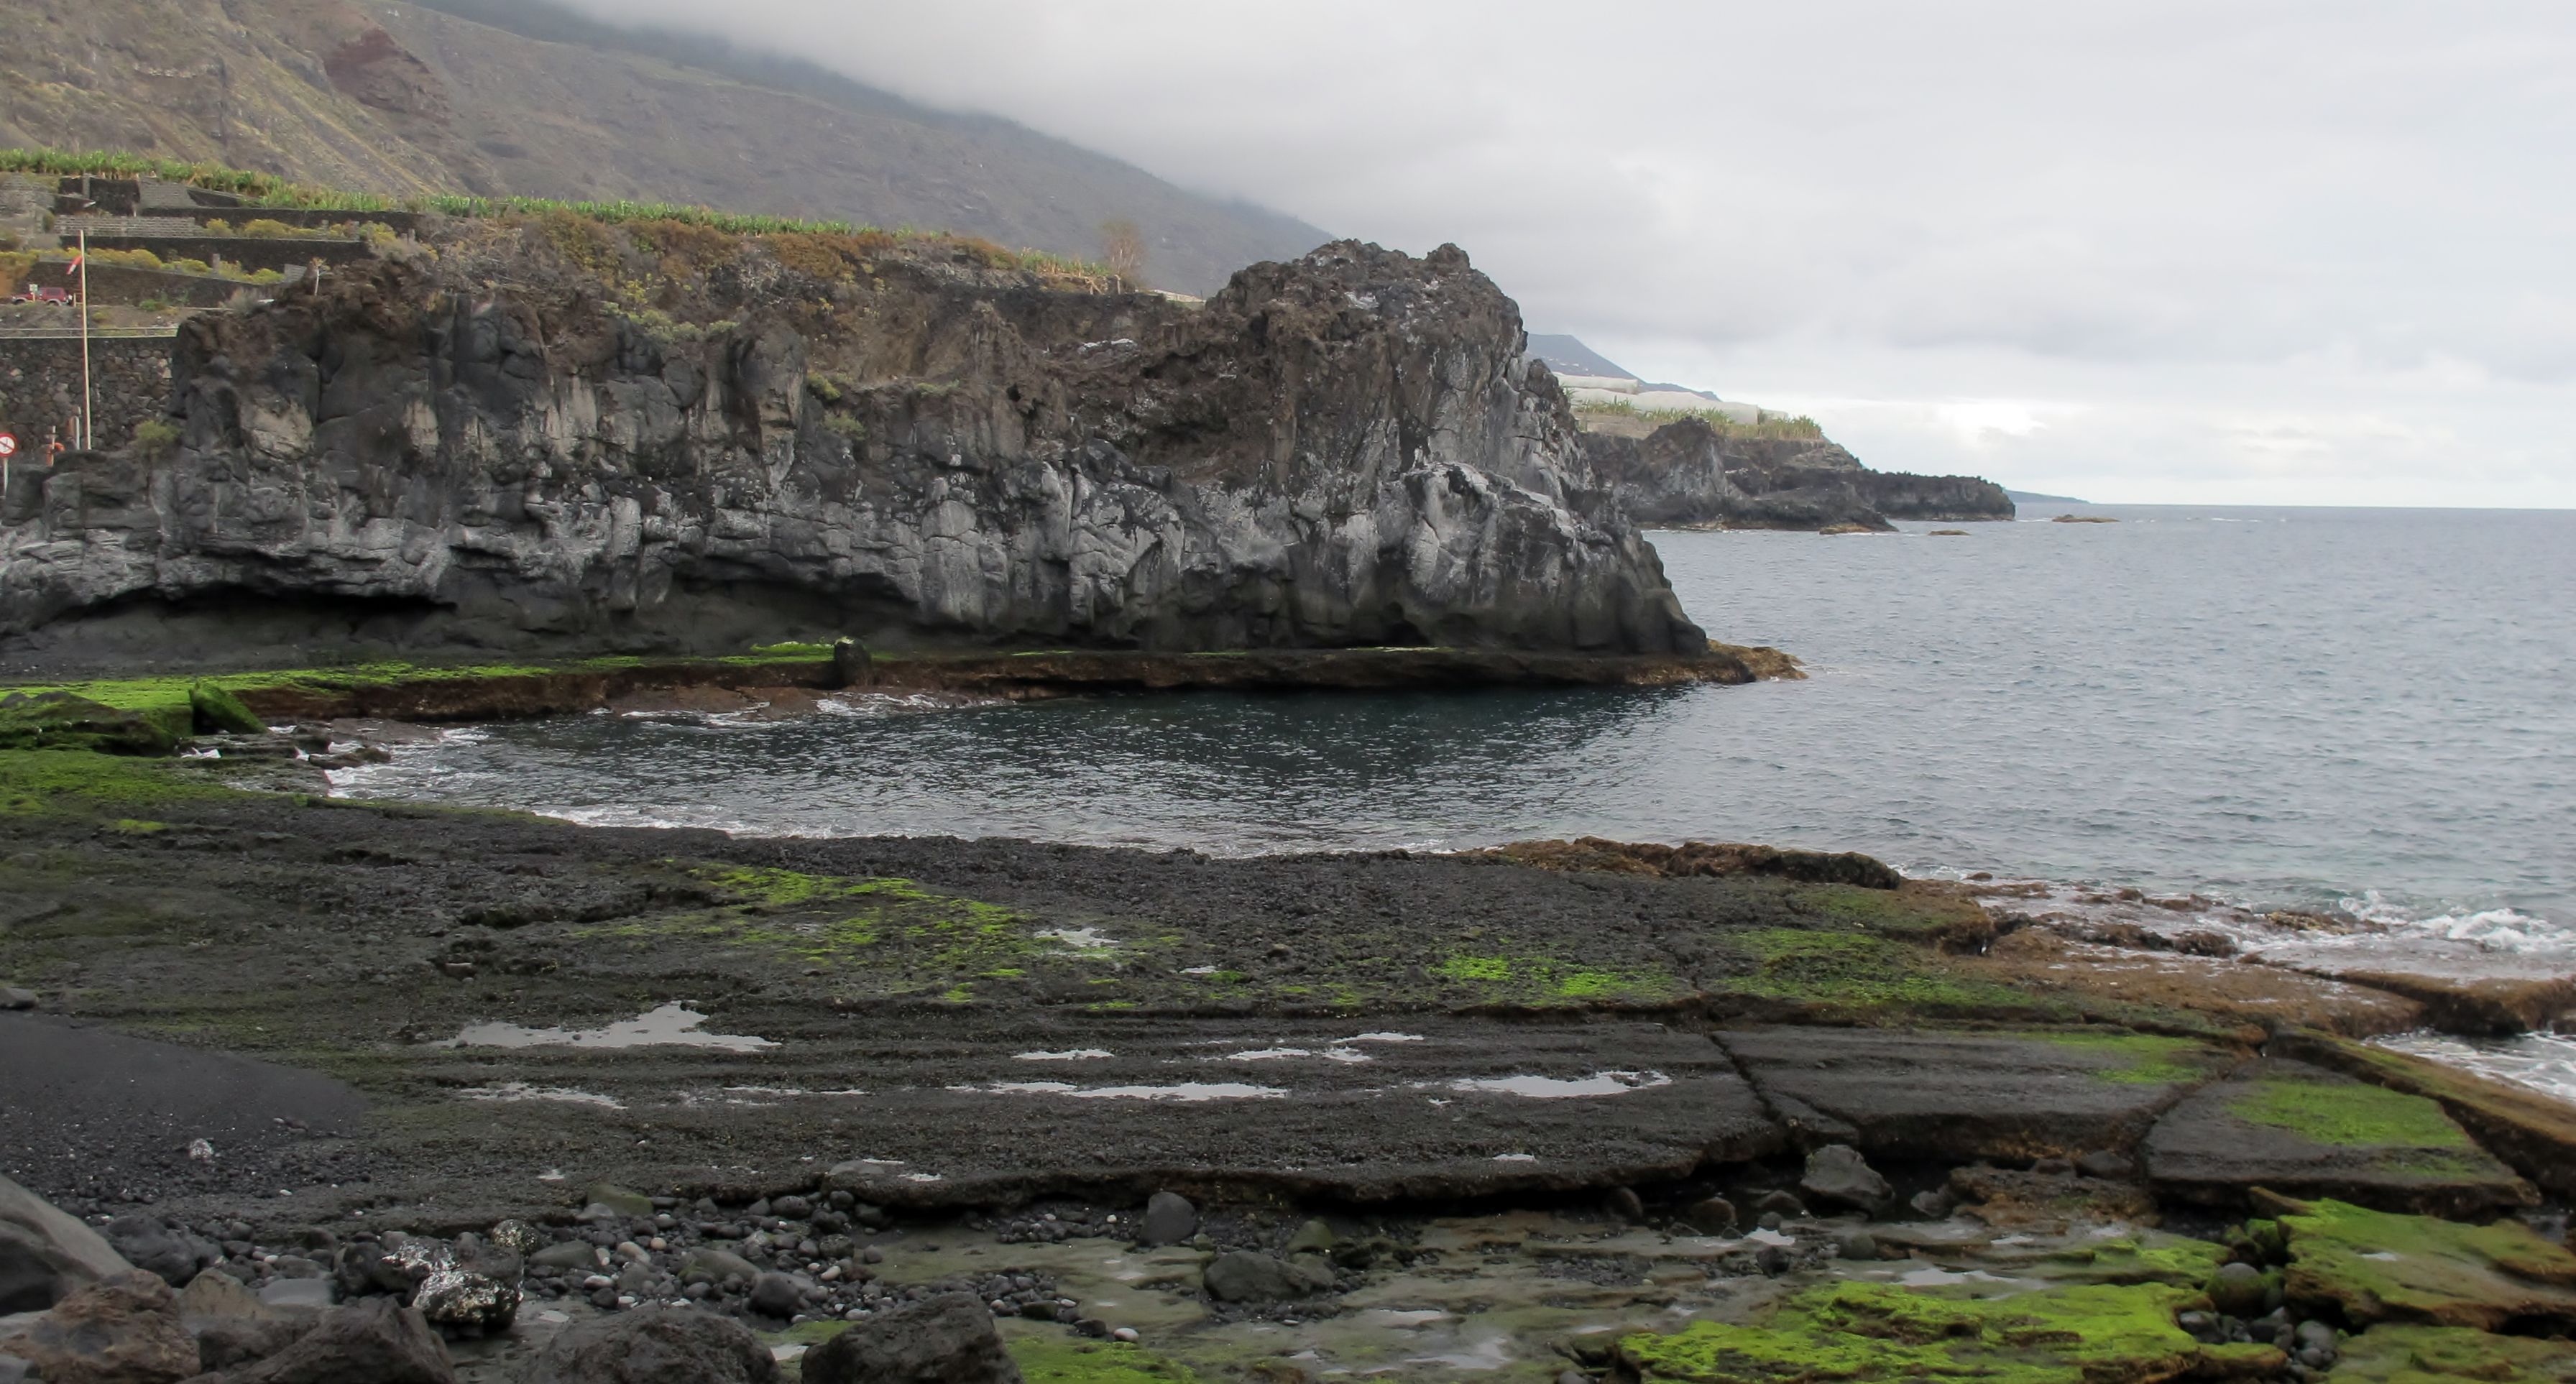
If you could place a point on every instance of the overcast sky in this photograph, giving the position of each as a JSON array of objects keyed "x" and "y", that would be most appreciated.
[{"x": 2190, "y": 250}]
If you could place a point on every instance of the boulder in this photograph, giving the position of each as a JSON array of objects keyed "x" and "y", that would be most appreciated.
[
  {"x": 948, "y": 1339},
  {"x": 617, "y": 1201},
  {"x": 777, "y": 1295},
  {"x": 574, "y": 1254},
  {"x": 2305, "y": 1132},
  {"x": 465, "y": 1285},
  {"x": 376, "y": 1339},
  {"x": 149, "y": 1245},
  {"x": 119, "y": 1330},
  {"x": 655, "y": 1345},
  {"x": 1837, "y": 1174},
  {"x": 718, "y": 1265},
  {"x": 233, "y": 1326},
  {"x": 1710, "y": 1216},
  {"x": 1244, "y": 1276},
  {"x": 1169, "y": 1219},
  {"x": 45, "y": 1255}
]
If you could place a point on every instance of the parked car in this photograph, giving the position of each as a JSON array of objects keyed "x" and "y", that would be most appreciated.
[{"x": 58, "y": 297}]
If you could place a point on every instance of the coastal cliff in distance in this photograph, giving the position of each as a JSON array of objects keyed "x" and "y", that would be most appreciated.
[
  {"x": 561, "y": 435},
  {"x": 1679, "y": 457},
  {"x": 1697, "y": 473}
]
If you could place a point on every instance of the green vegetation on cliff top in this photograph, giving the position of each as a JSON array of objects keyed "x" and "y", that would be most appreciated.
[{"x": 268, "y": 190}]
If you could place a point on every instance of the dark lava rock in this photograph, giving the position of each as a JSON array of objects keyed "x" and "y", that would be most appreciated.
[
  {"x": 2108, "y": 1164},
  {"x": 1244, "y": 1276},
  {"x": 45, "y": 1255},
  {"x": 1169, "y": 1219},
  {"x": 377, "y": 1340},
  {"x": 776, "y": 1295},
  {"x": 1837, "y": 1174},
  {"x": 1625, "y": 1204},
  {"x": 657, "y": 1345},
  {"x": 948, "y": 1339},
  {"x": 149, "y": 1245},
  {"x": 1782, "y": 1204},
  {"x": 1856, "y": 1245},
  {"x": 1710, "y": 1215}
]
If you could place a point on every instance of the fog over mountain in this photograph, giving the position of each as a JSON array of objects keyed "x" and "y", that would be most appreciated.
[{"x": 2303, "y": 251}]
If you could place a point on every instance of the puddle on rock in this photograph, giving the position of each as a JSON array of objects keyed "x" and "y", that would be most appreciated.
[
  {"x": 1558, "y": 1088},
  {"x": 1068, "y": 1055},
  {"x": 672, "y": 1025},
  {"x": 1182, "y": 1091},
  {"x": 520, "y": 1090}
]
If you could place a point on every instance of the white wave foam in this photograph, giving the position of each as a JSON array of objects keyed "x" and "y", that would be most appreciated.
[
  {"x": 2494, "y": 929},
  {"x": 2545, "y": 1062}
]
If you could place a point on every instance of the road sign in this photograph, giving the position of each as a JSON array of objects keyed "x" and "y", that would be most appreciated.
[{"x": 8, "y": 445}]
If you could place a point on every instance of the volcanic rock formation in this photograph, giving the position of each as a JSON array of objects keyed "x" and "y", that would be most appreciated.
[{"x": 494, "y": 441}]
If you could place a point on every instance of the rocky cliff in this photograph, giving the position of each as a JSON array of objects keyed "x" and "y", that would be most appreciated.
[
  {"x": 1693, "y": 474},
  {"x": 554, "y": 434}
]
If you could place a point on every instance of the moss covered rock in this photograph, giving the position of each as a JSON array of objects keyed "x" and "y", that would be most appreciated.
[
  {"x": 2374, "y": 1266},
  {"x": 2304, "y": 1132},
  {"x": 2441, "y": 1355},
  {"x": 215, "y": 709},
  {"x": 64, "y": 721},
  {"x": 2081, "y": 1334}
]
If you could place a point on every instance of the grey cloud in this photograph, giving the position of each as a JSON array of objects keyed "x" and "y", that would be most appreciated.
[{"x": 2172, "y": 186}]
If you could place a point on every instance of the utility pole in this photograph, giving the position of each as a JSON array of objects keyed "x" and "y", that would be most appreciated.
[{"x": 89, "y": 441}]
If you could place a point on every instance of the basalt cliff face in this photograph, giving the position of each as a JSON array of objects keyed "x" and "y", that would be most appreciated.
[
  {"x": 558, "y": 436},
  {"x": 1690, "y": 474}
]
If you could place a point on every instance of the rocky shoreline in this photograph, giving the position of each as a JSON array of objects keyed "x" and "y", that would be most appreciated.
[{"x": 494, "y": 1094}]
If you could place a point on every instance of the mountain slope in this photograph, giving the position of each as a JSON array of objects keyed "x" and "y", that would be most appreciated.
[{"x": 405, "y": 99}]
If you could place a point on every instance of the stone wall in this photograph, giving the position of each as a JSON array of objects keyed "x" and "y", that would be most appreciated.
[
  {"x": 245, "y": 252},
  {"x": 121, "y": 284},
  {"x": 40, "y": 388}
]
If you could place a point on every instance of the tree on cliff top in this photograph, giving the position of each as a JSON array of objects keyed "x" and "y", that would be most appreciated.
[{"x": 1122, "y": 248}]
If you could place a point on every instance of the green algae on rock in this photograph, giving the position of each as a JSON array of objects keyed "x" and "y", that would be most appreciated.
[
  {"x": 2080, "y": 1334},
  {"x": 2445, "y": 1355},
  {"x": 1051, "y": 1357},
  {"x": 66, "y": 721},
  {"x": 2374, "y": 1266},
  {"x": 2301, "y": 1131},
  {"x": 2535, "y": 1134}
]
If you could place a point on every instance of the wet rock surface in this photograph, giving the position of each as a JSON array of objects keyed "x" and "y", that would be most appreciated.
[
  {"x": 1173, "y": 1116},
  {"x": 1966, "y": 1096}
]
